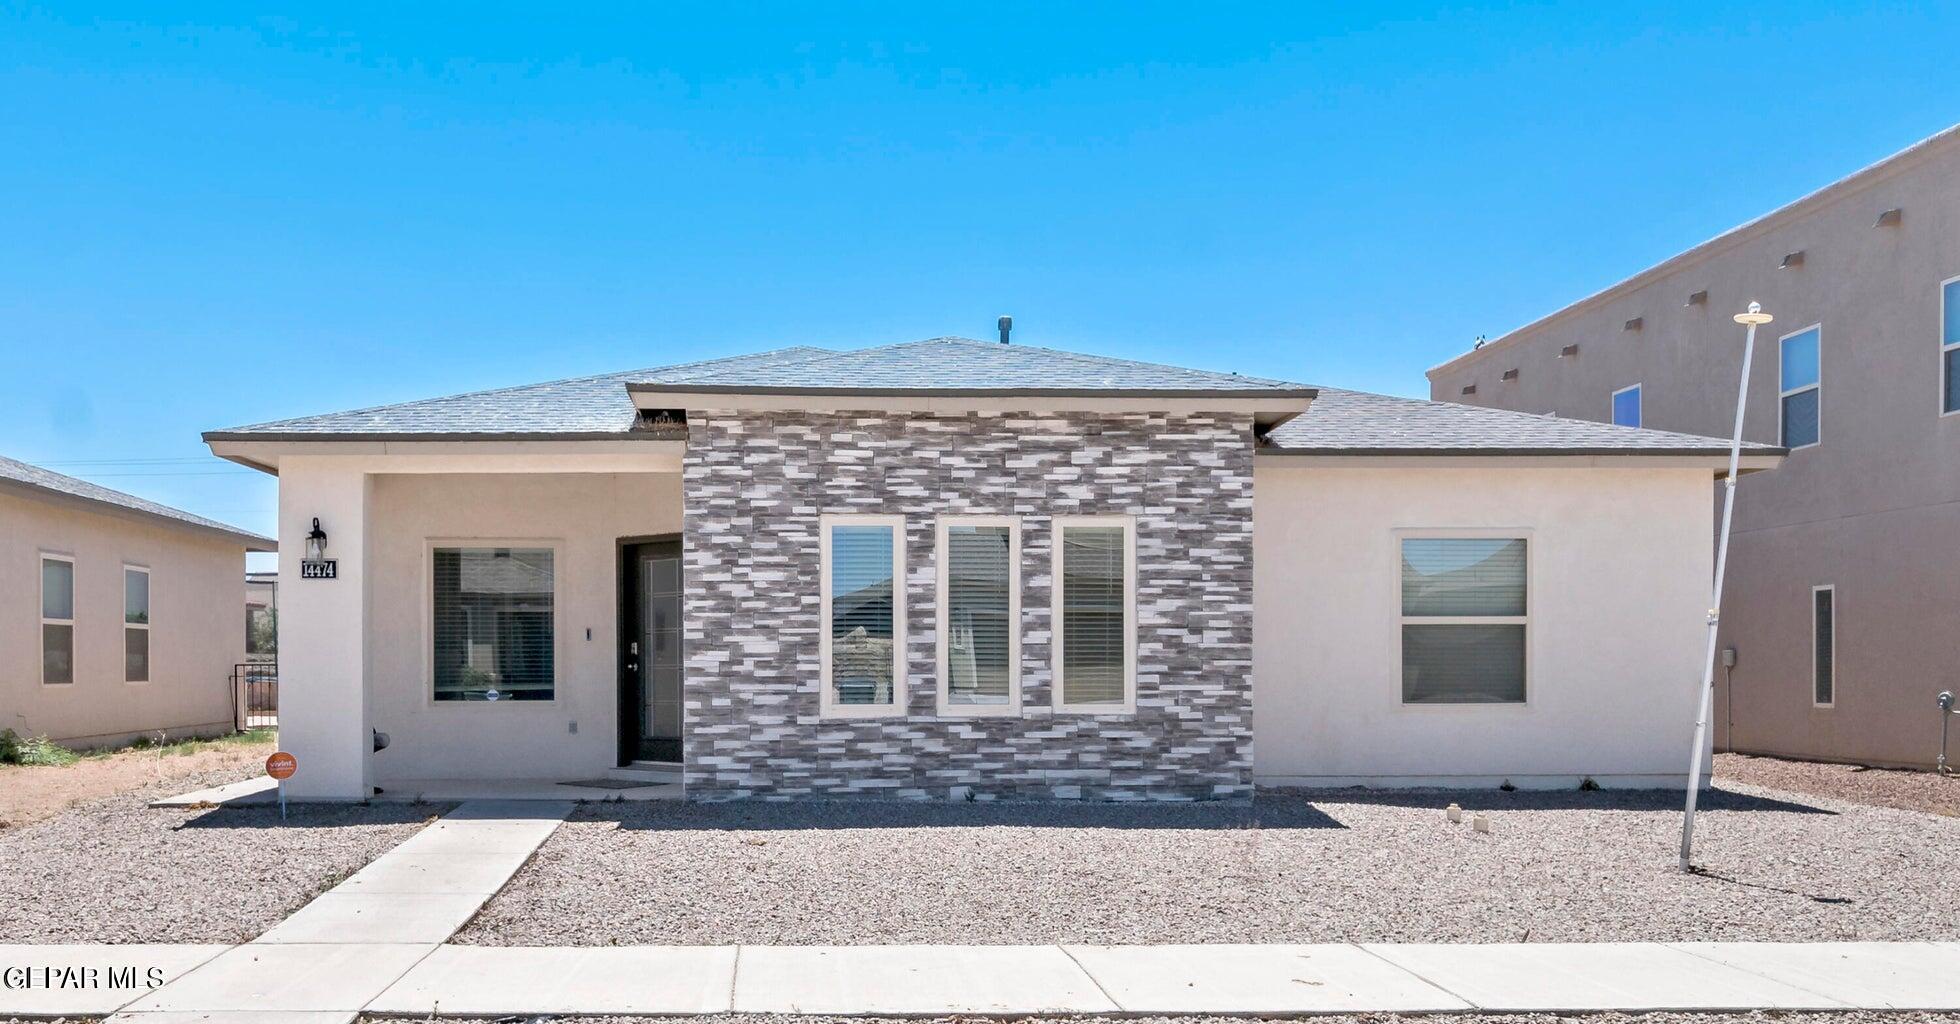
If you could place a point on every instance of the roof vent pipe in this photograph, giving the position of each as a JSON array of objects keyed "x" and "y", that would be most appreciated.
[{"x": 1006, "y": 325}]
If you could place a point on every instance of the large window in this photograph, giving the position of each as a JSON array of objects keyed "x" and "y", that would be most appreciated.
[
  {"x": 136, "y": 624},
  {"x": 1626, "y": 406},
  {"x": 1823, "y": 645},
  {"x": 1801, "y": 395},
  {"x": 980, "y": 614},
  {"x": 493, "y": 624},
  {"x": 57, "y": 620},
  {"x": 1463, "y": 620},
  {"x": 863, "y": 638},
  {"x": 1095, "y": 614},
  {"x": 1950, "y": 345}
]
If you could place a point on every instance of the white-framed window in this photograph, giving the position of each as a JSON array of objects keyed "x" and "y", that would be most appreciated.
[
  {"x": 1095, "y": 619},
  {"x": 1823, "y": 645},
  {"x": 979, "y": 562},
  {"x": 57, "y": 620},
  {"x": 1465, "y": 607},
  {"x": 136, "y": 624},
  {"x": 1626, "y": 406},
  {"x": 1950, "y": 346},
  {"x": 1800, "y": 410},
  {"x": 493, "y": 622},
  {"x": 862, "y": 640}
]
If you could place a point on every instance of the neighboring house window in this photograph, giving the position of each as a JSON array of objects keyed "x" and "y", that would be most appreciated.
[
  {"x": 1950, "y": 345},
  {"x": 57, "y": 620},
  {"x": 1094, "y": 606},
  {"x": 863, "y": 639},
  {"x": 1823, "y": 645},
  {"x": 1463, "y": 620},
  {"x": 1626, "y": 406},
  {"x": 1801, "y": 399},
  {"x": 980, "y": 615},
  {"x": 136, "y": 624},
  {"x": 493, "y": 624}
]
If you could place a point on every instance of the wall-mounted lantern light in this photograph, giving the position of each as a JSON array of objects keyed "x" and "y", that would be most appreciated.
[
  {"x": 316, "y": 542},
  {"x": 316, "y": 565}
]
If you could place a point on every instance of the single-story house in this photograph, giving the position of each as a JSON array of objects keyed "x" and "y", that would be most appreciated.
[
  {"x": 957, "y": 569},
  {"x": 118, "y": 616}
]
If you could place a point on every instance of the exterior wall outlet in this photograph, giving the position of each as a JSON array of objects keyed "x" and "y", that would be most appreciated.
[{"x": 571, "y": 727}]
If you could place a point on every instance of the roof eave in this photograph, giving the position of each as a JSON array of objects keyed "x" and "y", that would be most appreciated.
[{"x": 82, "y": 502}]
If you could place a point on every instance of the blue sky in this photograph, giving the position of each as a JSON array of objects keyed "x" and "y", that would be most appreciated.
[{"x": 221, "y": 215}]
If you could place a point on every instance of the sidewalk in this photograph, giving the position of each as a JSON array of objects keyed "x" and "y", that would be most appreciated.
[{"x": 378, "y": 943}]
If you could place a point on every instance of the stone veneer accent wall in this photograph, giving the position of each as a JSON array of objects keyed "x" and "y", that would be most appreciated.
[{"x": 754, "y": 485}]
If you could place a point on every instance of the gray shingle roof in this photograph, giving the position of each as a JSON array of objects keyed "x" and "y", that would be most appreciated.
[
  {"x": 22, "y": 478},
  {"x": 563, "y": 409},
  {"x": 964, "y": 365},
  {"x": 1358, "y": 423}
]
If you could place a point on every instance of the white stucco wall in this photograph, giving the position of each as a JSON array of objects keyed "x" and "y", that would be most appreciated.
[
  {"x": 582, "y": 516},
  {"x": 197, "y": 626},
  {"x": 1620, "y": 562}
]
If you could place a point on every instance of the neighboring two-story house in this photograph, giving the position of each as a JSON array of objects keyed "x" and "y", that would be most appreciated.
[{"x": 1844, "y": 583}]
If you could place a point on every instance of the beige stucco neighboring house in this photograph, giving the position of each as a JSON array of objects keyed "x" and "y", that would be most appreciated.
[
  {"x": 1844, "y": 579},
  {"x": 956, "y": 569},
  {"x": 119, "y": 617}
]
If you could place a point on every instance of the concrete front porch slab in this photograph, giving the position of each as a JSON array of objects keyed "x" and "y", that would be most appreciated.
[
  {"x": 360, "y": 917},
  {"x": 260, "y": 790},
  {"x": 92, "y": 980},
  {"x": 903, "y": 980},
  {"x": 1633, "y": 977},
  {"x": 1890, "y": 975},
  {"x": 278, "y": 977},
  {"x": 1256, "y": 979},
  {"x": 492, "y": 981}
]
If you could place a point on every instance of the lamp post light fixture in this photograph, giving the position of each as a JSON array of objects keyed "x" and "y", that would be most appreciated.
[{"x": 1752, "y": 319}]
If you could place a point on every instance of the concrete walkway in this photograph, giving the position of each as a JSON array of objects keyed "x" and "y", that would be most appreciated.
[{"x": 330, "y": 983}]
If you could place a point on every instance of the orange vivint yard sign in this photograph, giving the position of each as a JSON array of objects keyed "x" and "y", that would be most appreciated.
[{"x": 281, "y": 765}]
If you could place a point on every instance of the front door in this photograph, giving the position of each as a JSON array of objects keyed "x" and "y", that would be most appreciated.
[{"x": 650, "y": 652}]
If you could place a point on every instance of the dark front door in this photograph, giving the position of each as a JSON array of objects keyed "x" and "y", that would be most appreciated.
[{"x": 650, "y": 652}]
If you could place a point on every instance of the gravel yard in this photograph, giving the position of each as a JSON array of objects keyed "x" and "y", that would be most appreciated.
[
  {"x": 1880, "y": 787},
  {"x": 118, "y": 871},
  {"x": 1348, "y": 865}
]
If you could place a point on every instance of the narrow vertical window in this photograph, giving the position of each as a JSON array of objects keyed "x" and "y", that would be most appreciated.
[
  {"x": 1464, "y": 617},
  {"x": 494, "y": 629},
  {"x": 1950, "y": 345},
  {"x": 1095, "y": 614},
  {"x": 979, "y": 615},
  {"x": 136, "y": 624},
  {"x": 1626, "y": 406},
  {"x": 1800, "y": 394},
  {"x": 1823, "y": 645},
  {"x": 57, "y": 620},
  {"x": 863, "y": 637}
]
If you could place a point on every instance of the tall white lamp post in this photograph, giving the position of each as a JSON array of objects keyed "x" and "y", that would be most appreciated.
[{"x": 1752, "y": 319}]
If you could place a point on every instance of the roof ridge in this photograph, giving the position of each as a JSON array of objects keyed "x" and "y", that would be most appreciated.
[{"x": 507, "y": 389}]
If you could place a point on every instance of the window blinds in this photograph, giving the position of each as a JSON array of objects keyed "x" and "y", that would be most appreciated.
[
  {"x": 1094, "y": 614},
  {"x": 1481, "y": 658},
  {"x": 978, "y": 607},
  {"x": 493, "y": 624},
  {"x": 862, "y": 659}
]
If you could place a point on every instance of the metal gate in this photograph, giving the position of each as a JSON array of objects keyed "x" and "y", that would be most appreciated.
[{"x": 255, "y": 695}]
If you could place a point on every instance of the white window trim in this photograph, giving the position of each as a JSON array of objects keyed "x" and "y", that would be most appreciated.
[
  {"x": 1814, "y": 702},
  {"x": 1613, "y": 401},
  {"x": 41, "y": 605},
  {"x": 559, "y": 632},
  {"x": 1817, "y": 387},
  {"x": 946, "y": 708},
  {"x": 149, "y": 658},
  {"x": 827, "y": 706},
  {"x": 1940, "y": 297},
  {"x": 1129, "y": 703},
  {"x": 1530, "y": 604}
]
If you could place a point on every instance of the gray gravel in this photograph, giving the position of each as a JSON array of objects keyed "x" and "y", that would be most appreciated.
[
  {"x": 1881, "y": 787},
  {"x": 117, "y": 871},
  {"x": 1348, "y": 865}
]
